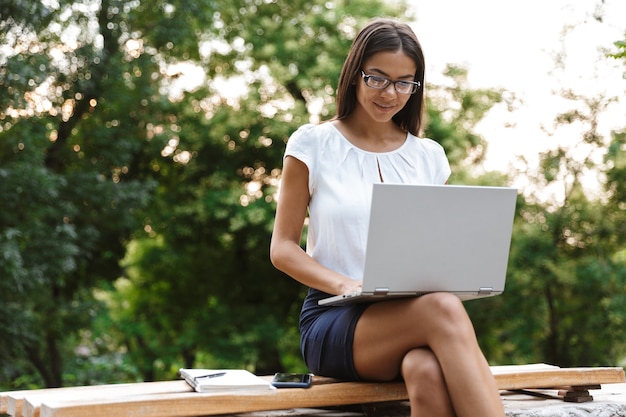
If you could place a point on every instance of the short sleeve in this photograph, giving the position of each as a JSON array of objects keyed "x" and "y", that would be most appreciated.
[
  {"x": 439, "y": 161},
  {"x": 302, "y": 145}
]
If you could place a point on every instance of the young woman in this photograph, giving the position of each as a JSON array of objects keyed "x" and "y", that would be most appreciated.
[{"x": 329, "y": 170}]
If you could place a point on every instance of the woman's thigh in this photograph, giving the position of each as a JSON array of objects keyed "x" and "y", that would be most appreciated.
[{"x": 387, "y": 330}]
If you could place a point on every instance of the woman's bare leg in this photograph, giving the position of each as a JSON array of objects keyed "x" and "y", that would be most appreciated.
[
  {"x": 428, "y": 394},
  {"x": 388, "y": 331}
]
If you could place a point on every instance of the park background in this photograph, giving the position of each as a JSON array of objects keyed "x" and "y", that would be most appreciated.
[{"x": 140, "y": 153}]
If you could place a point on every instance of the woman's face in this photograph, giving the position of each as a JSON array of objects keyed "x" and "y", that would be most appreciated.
[{"x": 380, "y": 105}]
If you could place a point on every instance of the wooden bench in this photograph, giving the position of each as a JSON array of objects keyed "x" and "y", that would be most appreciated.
[{"x": 175, "y": 398}]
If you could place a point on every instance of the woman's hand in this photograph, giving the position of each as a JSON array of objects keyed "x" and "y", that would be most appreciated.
[{"x": 352, "y": 286}]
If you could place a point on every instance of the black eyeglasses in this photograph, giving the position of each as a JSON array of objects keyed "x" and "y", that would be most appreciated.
[{"x": 380, "y": 83}]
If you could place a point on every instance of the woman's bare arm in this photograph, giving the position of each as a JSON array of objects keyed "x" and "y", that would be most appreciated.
[{"x": 285, "y": 251}]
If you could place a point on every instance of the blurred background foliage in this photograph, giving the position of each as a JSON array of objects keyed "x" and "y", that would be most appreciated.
[{"x": 140, "y": 153}]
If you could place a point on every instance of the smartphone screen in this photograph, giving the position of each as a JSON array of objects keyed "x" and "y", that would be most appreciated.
[{"x": 292, "y": 380}]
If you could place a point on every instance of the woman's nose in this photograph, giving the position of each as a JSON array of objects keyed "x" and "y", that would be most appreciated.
[{"x": 390, "y": 89}]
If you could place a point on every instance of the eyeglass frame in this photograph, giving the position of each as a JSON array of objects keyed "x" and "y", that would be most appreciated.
[{"x": 366, "y": 77}]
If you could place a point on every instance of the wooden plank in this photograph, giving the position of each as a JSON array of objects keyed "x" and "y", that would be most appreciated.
[
  {"x": 195, "y": 404},
  {"x": 11, "y": 401},
  {"x": 177, "y": 399},
  {"x": 7, "y": 397},
  {"x": 575, "y": 396},
  {"x": 26, "y": 403},
  {"x": 3, "y": 403},
  {"x": 512, "y": 379},
  {"x": 342, "y": 393}
]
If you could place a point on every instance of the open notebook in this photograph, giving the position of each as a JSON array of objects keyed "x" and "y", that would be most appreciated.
[{"x": 206, "y": 380}]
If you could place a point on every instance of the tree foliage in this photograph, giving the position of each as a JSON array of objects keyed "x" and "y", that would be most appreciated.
[
  {"x": 140, "y": 152},
  {"x": 103, "y": 143},
  {"x": 566, "y": 292}
]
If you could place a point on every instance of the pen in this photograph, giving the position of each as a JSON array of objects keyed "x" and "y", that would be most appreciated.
[{"x": 218, "y": 374}]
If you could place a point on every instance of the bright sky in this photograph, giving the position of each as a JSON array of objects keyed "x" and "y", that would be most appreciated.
[{"x": 511, "y": 44}]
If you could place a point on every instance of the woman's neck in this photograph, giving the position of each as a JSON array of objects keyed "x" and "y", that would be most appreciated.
[{"x": 373, "y": 137}]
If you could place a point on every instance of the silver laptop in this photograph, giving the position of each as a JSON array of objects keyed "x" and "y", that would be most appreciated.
[{"x": 435, "y": 238}]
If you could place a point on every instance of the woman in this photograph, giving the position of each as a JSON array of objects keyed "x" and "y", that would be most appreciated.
[{"x": 329, "y": 170}]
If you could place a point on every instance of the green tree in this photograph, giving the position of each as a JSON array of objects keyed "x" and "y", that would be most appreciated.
[
  {"x": 209, "y": 227},
  {"x": 566, "y": 292},
  {"x": 212, "y": 219},
  {"x": 92, "y": 131},
  {"x": 140, "y": 198},
  {"x": 70, "y": 194},
  {"x": 454, "y": 109}
]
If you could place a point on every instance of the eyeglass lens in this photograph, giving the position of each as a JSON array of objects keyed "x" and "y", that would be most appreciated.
[{"x": 403, "y": 87}]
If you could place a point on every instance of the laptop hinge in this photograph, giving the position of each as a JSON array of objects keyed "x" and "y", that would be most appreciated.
[
  {"x": 381, "y": 291},
  {"x": 485, "y": 290}
]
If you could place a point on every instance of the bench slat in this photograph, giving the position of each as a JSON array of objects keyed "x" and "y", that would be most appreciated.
[
  {"x": 554, "y": 377},
  {"x": 195, "y": 404},
  {"x": 27, "y": 403},
  {"x": 175, "y": 398}
]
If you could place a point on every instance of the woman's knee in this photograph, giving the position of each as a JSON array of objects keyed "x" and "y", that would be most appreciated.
[
  {"x": 422, "y": 365},
  {"x": 446, "y": 315},
  {"x": 445, "y": 304},
  {"x": 445, "y": 307},
  {"x": 425, "y": 383}
]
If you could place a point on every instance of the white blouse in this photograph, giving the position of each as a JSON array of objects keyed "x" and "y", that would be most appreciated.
[{"x": 340, "y": 185}]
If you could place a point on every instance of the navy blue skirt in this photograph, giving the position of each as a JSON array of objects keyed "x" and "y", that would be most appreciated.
[{"x": 327, "y": 336}]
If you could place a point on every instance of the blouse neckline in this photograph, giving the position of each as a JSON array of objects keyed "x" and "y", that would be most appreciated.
[{"x": 353, "y": 146}]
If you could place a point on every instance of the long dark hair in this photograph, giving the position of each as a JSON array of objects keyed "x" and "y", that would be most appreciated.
[{"x": 383, "y": 35}]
